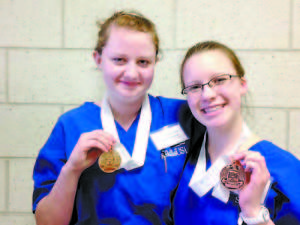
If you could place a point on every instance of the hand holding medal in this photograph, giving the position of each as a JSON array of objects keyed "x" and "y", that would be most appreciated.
[
  {"x": 252, "y": 194},
  {"x": 88, "y": 148}
]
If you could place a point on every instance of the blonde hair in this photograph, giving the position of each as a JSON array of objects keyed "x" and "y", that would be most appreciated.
[{"x": 132, "y": 20}]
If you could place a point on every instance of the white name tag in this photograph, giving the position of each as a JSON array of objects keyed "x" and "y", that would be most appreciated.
[{"x": 168, "y": 136}]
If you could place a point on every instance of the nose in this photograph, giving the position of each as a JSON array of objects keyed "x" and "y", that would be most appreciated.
[
  {"x": 208, "y": 93},
  {"x": 131, "y": 71}
]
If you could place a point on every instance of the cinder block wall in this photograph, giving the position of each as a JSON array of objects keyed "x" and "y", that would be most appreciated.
[{"x": 46, "y": 68}]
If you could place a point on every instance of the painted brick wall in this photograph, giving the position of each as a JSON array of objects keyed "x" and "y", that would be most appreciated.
[{"x": 46, "y": 68}]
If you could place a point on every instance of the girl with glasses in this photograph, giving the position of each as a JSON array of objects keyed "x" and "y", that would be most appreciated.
[{"x": 231, "y": 176}]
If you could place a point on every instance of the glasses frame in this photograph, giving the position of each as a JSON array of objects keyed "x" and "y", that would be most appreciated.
[{"x": 184, "y": 92}]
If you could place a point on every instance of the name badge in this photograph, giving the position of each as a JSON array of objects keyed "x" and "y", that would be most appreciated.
[{"x": 168, "y": 136}]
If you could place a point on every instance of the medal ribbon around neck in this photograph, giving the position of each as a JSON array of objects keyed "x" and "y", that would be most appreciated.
[
  {"x": 202, "y": 181},
  {"x": 141, "y": 139}
]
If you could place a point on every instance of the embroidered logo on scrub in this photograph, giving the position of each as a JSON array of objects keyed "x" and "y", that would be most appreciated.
[
  {"x": 177, "y": 150},
  {"x": 169, "y": 140}
]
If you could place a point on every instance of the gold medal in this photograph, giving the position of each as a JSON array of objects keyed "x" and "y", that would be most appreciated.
[
  {"x": 234, "y": 177},
  {"x": 109, "y": 161}
]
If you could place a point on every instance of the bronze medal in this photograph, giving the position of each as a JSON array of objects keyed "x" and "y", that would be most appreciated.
[
  {"x": 234, "y": 177},
  {"x": 109, "y": 161}
]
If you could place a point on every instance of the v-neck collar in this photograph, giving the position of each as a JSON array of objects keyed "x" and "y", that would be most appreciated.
[
  {"x": 128, "y": 137},
  {"x": 133, "y": 125}
]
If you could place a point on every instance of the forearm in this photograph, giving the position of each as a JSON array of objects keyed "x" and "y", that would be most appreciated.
[{"x": 57, "y": 207}]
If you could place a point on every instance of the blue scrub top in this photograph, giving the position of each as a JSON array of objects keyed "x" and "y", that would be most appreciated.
[
  {"x": 189, "y": 208},
  {"x": 139, "y": 196}
]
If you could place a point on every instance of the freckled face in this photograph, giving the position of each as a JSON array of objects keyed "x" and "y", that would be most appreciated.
[
  {"x": 127, "y": 62},
  {"x": 219, "y": 106}
]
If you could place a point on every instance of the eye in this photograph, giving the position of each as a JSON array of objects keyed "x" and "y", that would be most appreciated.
[
  {"x": 195, "y": 87},
  {"x": 144, "y": 62},
  {"x": 119, "y": 60},
  {"x": 219, "y": 80}
]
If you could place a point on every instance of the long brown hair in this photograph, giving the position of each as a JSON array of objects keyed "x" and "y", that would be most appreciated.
[{"x": 208, "y": 46}]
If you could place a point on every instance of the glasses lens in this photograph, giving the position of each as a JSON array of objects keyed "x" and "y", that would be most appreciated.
[{"x": 219, "y": 80}]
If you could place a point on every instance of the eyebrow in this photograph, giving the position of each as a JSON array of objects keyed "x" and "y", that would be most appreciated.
[
  {"x": 211, "y": 77},
  {"x": 194, "y": 83},
  {"x": 119, "y": 54}
]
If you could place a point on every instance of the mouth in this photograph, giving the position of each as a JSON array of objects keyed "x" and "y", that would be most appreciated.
[
  {"x": 130, "y": 83},
  {"x": 211, "y": 109}
]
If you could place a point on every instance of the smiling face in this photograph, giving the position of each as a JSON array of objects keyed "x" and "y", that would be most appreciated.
[
  {"x": 127, "y": 62},
  {"x": 219, "y": 106}
]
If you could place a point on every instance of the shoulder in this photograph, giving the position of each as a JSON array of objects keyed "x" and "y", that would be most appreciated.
[
  {"x": 168, "y": 106},
  {"x": 279, "y": 161},
  {"x": 83, "y": 110},
  {"x": 273, "y": 152},
  {"x": 166, "y": 103}
]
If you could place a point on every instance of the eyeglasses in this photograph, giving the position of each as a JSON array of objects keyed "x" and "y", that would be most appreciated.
[{"x": 215, "y": 81}]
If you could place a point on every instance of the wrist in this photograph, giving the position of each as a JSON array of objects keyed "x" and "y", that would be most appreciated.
[
  {"x": 251, "y": 212},
  {"x": 262, "y": 216},
  {"x": 71, "y": 170}
]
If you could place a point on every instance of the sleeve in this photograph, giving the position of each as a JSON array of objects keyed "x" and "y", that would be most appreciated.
[
  {"x": 285, "y": 171},
  {"x": 51, "y": 159},
  {"x": 288, "y": 182}
]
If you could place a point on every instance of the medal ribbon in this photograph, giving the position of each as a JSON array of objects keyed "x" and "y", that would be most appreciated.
[
  {"x": 202, "y": 181},
  {"x": 141, "y": 139}
]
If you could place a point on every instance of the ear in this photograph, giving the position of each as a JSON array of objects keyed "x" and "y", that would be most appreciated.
[
  {"x": 244, "y": 86},
  {"x": 157, "y": 58},
  {"x": 98, "y": 59}
]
